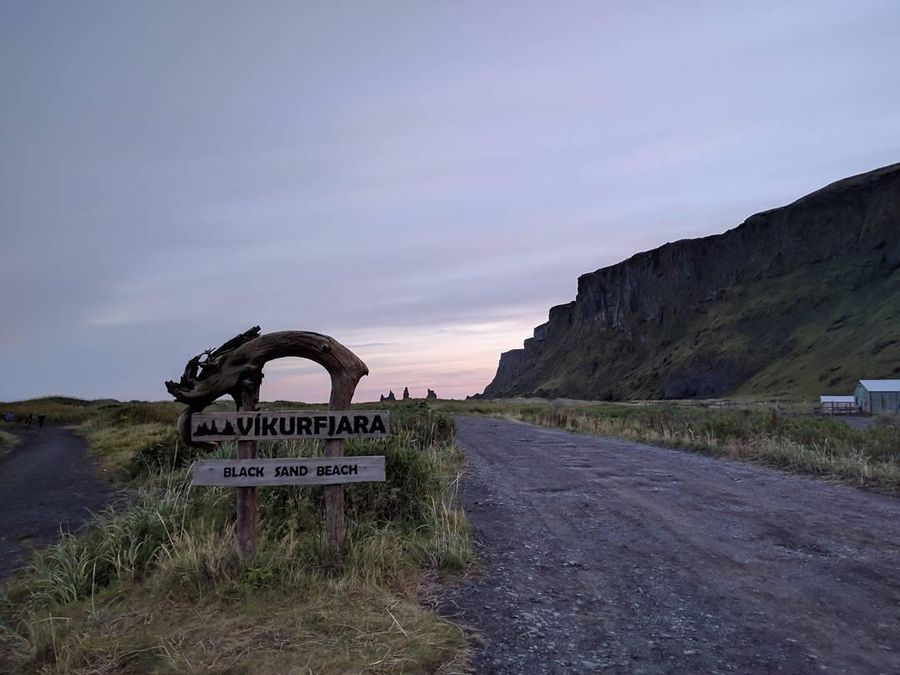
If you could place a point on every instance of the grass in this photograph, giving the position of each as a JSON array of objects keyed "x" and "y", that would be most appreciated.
[
  {"x": 331, "y": 626},
  {"x": 56, "y": 409},
  {"x": 7, "y": 442},
  {"x": 132, "y": 450},
  {"x": 816, "y": 329},
  {"x": 156, "y": 585},
  {"x": 130, "y": 439},
  {"x": 786, "y": 437}
]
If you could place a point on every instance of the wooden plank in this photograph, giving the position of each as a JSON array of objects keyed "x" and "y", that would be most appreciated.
[
  {"x": 273, "y": 426},
  {"x": 247, "y": 523},
  {"x": 335, "y": 525},
  {"x": 305, "y": 471}
]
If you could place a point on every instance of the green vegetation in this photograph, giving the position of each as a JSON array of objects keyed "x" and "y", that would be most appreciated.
[
  {"x": 787, "y": 437},
  {"x": 56, "y": 409},
  {"x": 7, "y": 441},
  {"x": 155, "y": 585},
  {"x": 816, "y": 329},
  {"x": 137, "y": 438},
  {"x": 826, "y": 326}
]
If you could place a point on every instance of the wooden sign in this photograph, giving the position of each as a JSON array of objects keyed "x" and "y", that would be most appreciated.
[
  {"x": 272, "y": 426},
  {"x": 236, "y": 369},
  {"x": 317, "y": 471}
]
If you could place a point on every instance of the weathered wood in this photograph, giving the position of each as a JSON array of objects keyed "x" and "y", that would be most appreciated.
[
  {"x": 271, "y": 426},
  {"x": 215, "y": 373},
  {"x": 303, "y": 471},
  {"x": 246, "y": 398},
  {"x": 335, "y": 525},
  {"x": 205, "y": 381}
]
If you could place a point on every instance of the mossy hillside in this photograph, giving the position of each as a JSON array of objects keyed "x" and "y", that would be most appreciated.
[
  {"x": 799, "y": 300},
  {"x": 850, "y": 335},
  {"x": 815, "y": 330}
]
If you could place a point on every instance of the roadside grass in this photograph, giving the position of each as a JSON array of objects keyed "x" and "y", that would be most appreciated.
[
  {"x": 890, "y": 421},
  {"x": 66, "y": 410},
  {"x": 56, "y": 409},
  {"x": 156, "y": 585},
  {"x": 329, "y": 626},
  {"x": 783, "y": 437},
  {"x": 130, "y": 450},
  {"x": 7, "y": 442},
  {"x": 137, "y": 412}
]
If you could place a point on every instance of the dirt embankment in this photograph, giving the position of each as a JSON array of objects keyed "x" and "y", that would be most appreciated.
[
  {"x": 47, "y": 482},
  {"x": 608, "y": 555}
]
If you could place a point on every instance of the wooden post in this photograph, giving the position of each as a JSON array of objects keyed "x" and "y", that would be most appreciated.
[
  {"x": 335, "y": 527},
  {"x": 342, "y": 387},
  {"x": 236, "y": 368},
  {"x": 246, "y": 399}
]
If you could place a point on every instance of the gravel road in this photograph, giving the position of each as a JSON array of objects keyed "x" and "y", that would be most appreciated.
[
  {"x": 606, "y": 555},
  {"x": 48, "y": 481}
]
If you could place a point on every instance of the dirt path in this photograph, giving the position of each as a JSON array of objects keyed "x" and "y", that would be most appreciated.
[
  {"x": 608, "y": 555},
  {"x": 46, "y": 482}
]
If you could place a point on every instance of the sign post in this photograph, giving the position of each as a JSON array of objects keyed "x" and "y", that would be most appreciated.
[
  {"x": 235, "y": 369},
  {"x": 247, "y": 499},
  {"x": 248, "y": 472},
  {"x": 289, "y": 471}
]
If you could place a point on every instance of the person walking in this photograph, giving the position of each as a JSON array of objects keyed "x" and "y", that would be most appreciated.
[{"x": 41, "y": 419}]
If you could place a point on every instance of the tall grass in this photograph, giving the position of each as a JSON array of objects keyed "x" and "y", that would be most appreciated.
[
  {"x": 175, "y": 541},
  {"x": 814, "y": 445},
  {"x": 56, "y": 409},
  {"x": 7, "y": 441}
]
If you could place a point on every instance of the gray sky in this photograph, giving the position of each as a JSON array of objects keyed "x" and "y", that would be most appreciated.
[{"x": 420, "y": 180}]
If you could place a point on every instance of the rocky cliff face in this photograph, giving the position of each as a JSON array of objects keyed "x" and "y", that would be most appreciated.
[{"x": 800, "y": 299}]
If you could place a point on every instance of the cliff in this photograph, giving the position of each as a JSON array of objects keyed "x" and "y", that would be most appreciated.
[{"x": 802, "y": 299}]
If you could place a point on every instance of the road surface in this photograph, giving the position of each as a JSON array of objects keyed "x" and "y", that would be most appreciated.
[
  {"x": 606, "y": 555},
  {"x": 47, "y": 482}
]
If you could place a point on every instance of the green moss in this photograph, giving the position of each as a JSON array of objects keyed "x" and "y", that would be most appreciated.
[{"x": 816, "y": 330}]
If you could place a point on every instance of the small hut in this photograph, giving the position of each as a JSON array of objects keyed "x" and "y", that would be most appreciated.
[{"x": 878, "y": 397}]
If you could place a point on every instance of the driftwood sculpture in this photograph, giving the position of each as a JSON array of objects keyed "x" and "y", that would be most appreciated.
[
  {"x": 236, "y": 369},
  {"x": 238, "y": 364}
]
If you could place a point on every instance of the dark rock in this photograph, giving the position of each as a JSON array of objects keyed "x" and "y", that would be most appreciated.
[
  {"x": 405, "y": 393},
  {"x": 431, "y": 396}
]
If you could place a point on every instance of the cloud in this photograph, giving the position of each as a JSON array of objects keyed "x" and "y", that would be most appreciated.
[{"x": 419, "y": 184}]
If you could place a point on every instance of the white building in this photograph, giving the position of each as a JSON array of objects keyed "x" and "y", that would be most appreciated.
[{"x": 878, "y": 397}]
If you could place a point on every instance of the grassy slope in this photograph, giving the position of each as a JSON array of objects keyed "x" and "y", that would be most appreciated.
[
  {"x": 57, "y": 409},
  {"x": 847, "y": 334},
  {"x": 816, "y": 330},
  {"x": 798, "y": 300},
  {"x": 156, "y": 586}
]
